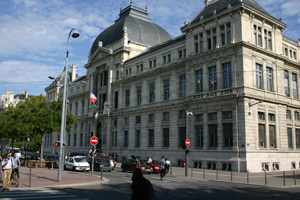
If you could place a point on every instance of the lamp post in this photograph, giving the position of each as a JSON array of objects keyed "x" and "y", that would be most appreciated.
[
  {"x": 187, "y": 147},
  {"x": 63, "y": 116}
]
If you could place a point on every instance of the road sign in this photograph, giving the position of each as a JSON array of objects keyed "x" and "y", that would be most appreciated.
[
  {"x": 187, "y": 142},
  {"x": 94, "y": 140}
]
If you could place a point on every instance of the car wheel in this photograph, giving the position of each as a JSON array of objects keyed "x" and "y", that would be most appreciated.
[
  {"x": 74, "y": 169},
  {"x": 109, "y": 170},
  {"x": 65, "y": 167}
]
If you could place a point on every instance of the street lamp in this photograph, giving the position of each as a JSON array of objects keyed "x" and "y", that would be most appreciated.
[{"x": 63, "y": 116}]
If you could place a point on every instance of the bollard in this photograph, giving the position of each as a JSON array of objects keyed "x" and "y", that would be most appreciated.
[
  {"x": 171, "y": 170},
  {"x": 248, "y": 176},
  {"x": 283, "y": 178},
  {"x": 203, "y": 173},
  {"x": 266, "y": 183},
  {"x": 231, "y": 175},
  {"x": 29, "y": 177},
  {"x": 216, "y": 174},
  {"x": 294, "y": 177},
  {"x": 101, "y": 166}
]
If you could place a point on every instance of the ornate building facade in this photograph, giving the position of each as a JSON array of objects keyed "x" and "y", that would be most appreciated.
[{"x": 229, "y": 83}]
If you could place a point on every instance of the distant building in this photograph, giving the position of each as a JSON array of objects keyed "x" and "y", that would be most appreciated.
[
  {"x": 10, "y": 99},
  {"x": 229, "y": 83}
]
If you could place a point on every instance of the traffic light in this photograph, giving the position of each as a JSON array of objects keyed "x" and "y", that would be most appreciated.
[
  {"x": 57, "y": 144},
  {"x": 187, "y": 152}
]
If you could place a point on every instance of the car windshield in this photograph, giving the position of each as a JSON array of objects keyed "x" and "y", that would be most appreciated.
[
  {"x": 144, "y": 162},
  {"x": 155, "y": 162},
  {"x": 80, "y": 160}
]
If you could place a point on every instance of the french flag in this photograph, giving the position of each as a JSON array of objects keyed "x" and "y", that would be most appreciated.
[{"x": 93, "y": 98}]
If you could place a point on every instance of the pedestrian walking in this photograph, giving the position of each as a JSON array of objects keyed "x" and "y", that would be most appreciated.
[
  {"x": 141, "y": 187},
  {"x": 17, "y": 165},
  {"x": 7, "y": 166},
  {"x": 138, "y": 164},
  {"x": 162, "y": 167},
  {"x": 168, "y": 165},
  {"x": 149, "y": 161}
]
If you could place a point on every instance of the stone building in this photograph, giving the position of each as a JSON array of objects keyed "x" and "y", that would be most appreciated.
[{"x": 229, "y": 83}]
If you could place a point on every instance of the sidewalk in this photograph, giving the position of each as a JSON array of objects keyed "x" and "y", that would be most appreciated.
[{"x": 41, "y": 178}]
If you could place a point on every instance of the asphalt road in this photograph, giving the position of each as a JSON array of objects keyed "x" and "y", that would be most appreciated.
[{"x": 171, "y": 188}]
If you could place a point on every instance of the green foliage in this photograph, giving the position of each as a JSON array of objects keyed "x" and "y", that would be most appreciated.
[{"x": 31, "y": 119}]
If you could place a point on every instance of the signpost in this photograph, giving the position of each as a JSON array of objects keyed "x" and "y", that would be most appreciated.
[
  {"x": 187, "y": 144},
  {"x": 94, "y": 141}
]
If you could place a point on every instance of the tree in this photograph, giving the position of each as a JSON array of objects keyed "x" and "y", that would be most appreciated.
[{"x": 32, "y": 119}]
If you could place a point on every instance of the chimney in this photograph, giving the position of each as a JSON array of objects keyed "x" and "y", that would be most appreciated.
[{"x": 73, "y": 72}]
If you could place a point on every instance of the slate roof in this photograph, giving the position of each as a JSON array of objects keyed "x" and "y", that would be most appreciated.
[
  {"x": 140, "y": 29},
  {"x": 221, "y": 6}
]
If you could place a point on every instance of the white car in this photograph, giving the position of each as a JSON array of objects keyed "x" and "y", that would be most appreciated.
[{"x": 77, "y": 163}]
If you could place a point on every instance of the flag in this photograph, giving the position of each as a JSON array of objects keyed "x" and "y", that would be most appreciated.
[{"x": 93, "y": 98}]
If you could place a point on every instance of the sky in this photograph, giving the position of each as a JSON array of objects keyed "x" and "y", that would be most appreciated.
[{"x": 34, "y": 33}]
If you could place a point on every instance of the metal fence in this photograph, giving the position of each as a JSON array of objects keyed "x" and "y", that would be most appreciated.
[{"x": 277, "y": 178}]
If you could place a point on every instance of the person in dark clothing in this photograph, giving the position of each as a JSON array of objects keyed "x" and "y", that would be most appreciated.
[{"x": 141, "y": 188}]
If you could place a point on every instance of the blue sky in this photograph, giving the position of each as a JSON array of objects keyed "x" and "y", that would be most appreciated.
[{"x": 34, "y": 33}]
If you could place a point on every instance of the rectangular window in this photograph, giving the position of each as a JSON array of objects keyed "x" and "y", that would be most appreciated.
[
  {"x": 270, "y": 47},
  {"x": 227, "y": 135},
  {"x": 261, "y": 116},
  {"x": 116, "y": 99},
  {"x": 166, "y": 137},
  {"x": 117, "y": 75},
  {"x": 166, "y": 116},
  {"x": 182, "y": 137},
  {"x": 75, "y": 138},
  {"x": 151, "y": 118},
  {"x": 182, "y": 114},
  {"x": 270, "y": 86},
  {"x": 286, "y": 83},
  {"x": 125, "y": 138},
  {"x": 272, "y": 134},
  {"x": 199, "y": 136},
  {"x": 199, "y": 81},
  {"x": 138, "y": 95},
  {"x": 137, "y": 138},
  {"x": 223, "y": 35},
  {"x": 259, "y": 76},
  {"x": 295, "y": 85},
  {"x": 296, "y": 116},
  {"x": 208, "y": 35},
  {"x": 227, "y": 115},
  {"x": 212, "y": 116},
  {"x": 212, "y": 78},
  {"x": 288, "y": 114},
  {"x": 127, "y": 98},
  {"x": 227, "y": 80},
  {"x": 201, "y": 42},
  {"x": 214, "y": 32},
  {"x": 259, "y": 37},
  {"x": 182, "y": 86},
  {"x": 82, "y": 108},
  {"x": 228, "y": 34},
  {"x": 255, "y": 34},
  {"x": 297, "y": 138},
  {"x": 76, "y": 109},
  {"x": 199, "y": 118},
  {"x": 166, "y": 90},
  {"x": 262, "y": 136},
  {"x": 271, "y": 117},
  {"x": 213, "y": 133},
  {"x": 290, "y": 137},
  {"x": 81, "y": 139},
  {"x": 137, "y": 119},
  {"x": 151, "y": 93},
  {"x": 151, "y": 137},
  {"x": 196, "y": 41}
]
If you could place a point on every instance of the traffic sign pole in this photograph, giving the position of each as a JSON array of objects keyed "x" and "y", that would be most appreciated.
[
  {"x": 94, "y": 141},
  {"x": 187, "y": 144}
]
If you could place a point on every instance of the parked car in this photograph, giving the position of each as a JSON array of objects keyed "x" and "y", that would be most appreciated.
[
  {"x": 155, "y": 166},
  {"x": 77, "y": 163},
  {"x": 130, "y": 165},
  {"x": 100, "y": 161},
  {"x": 53, "y": 158}
]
